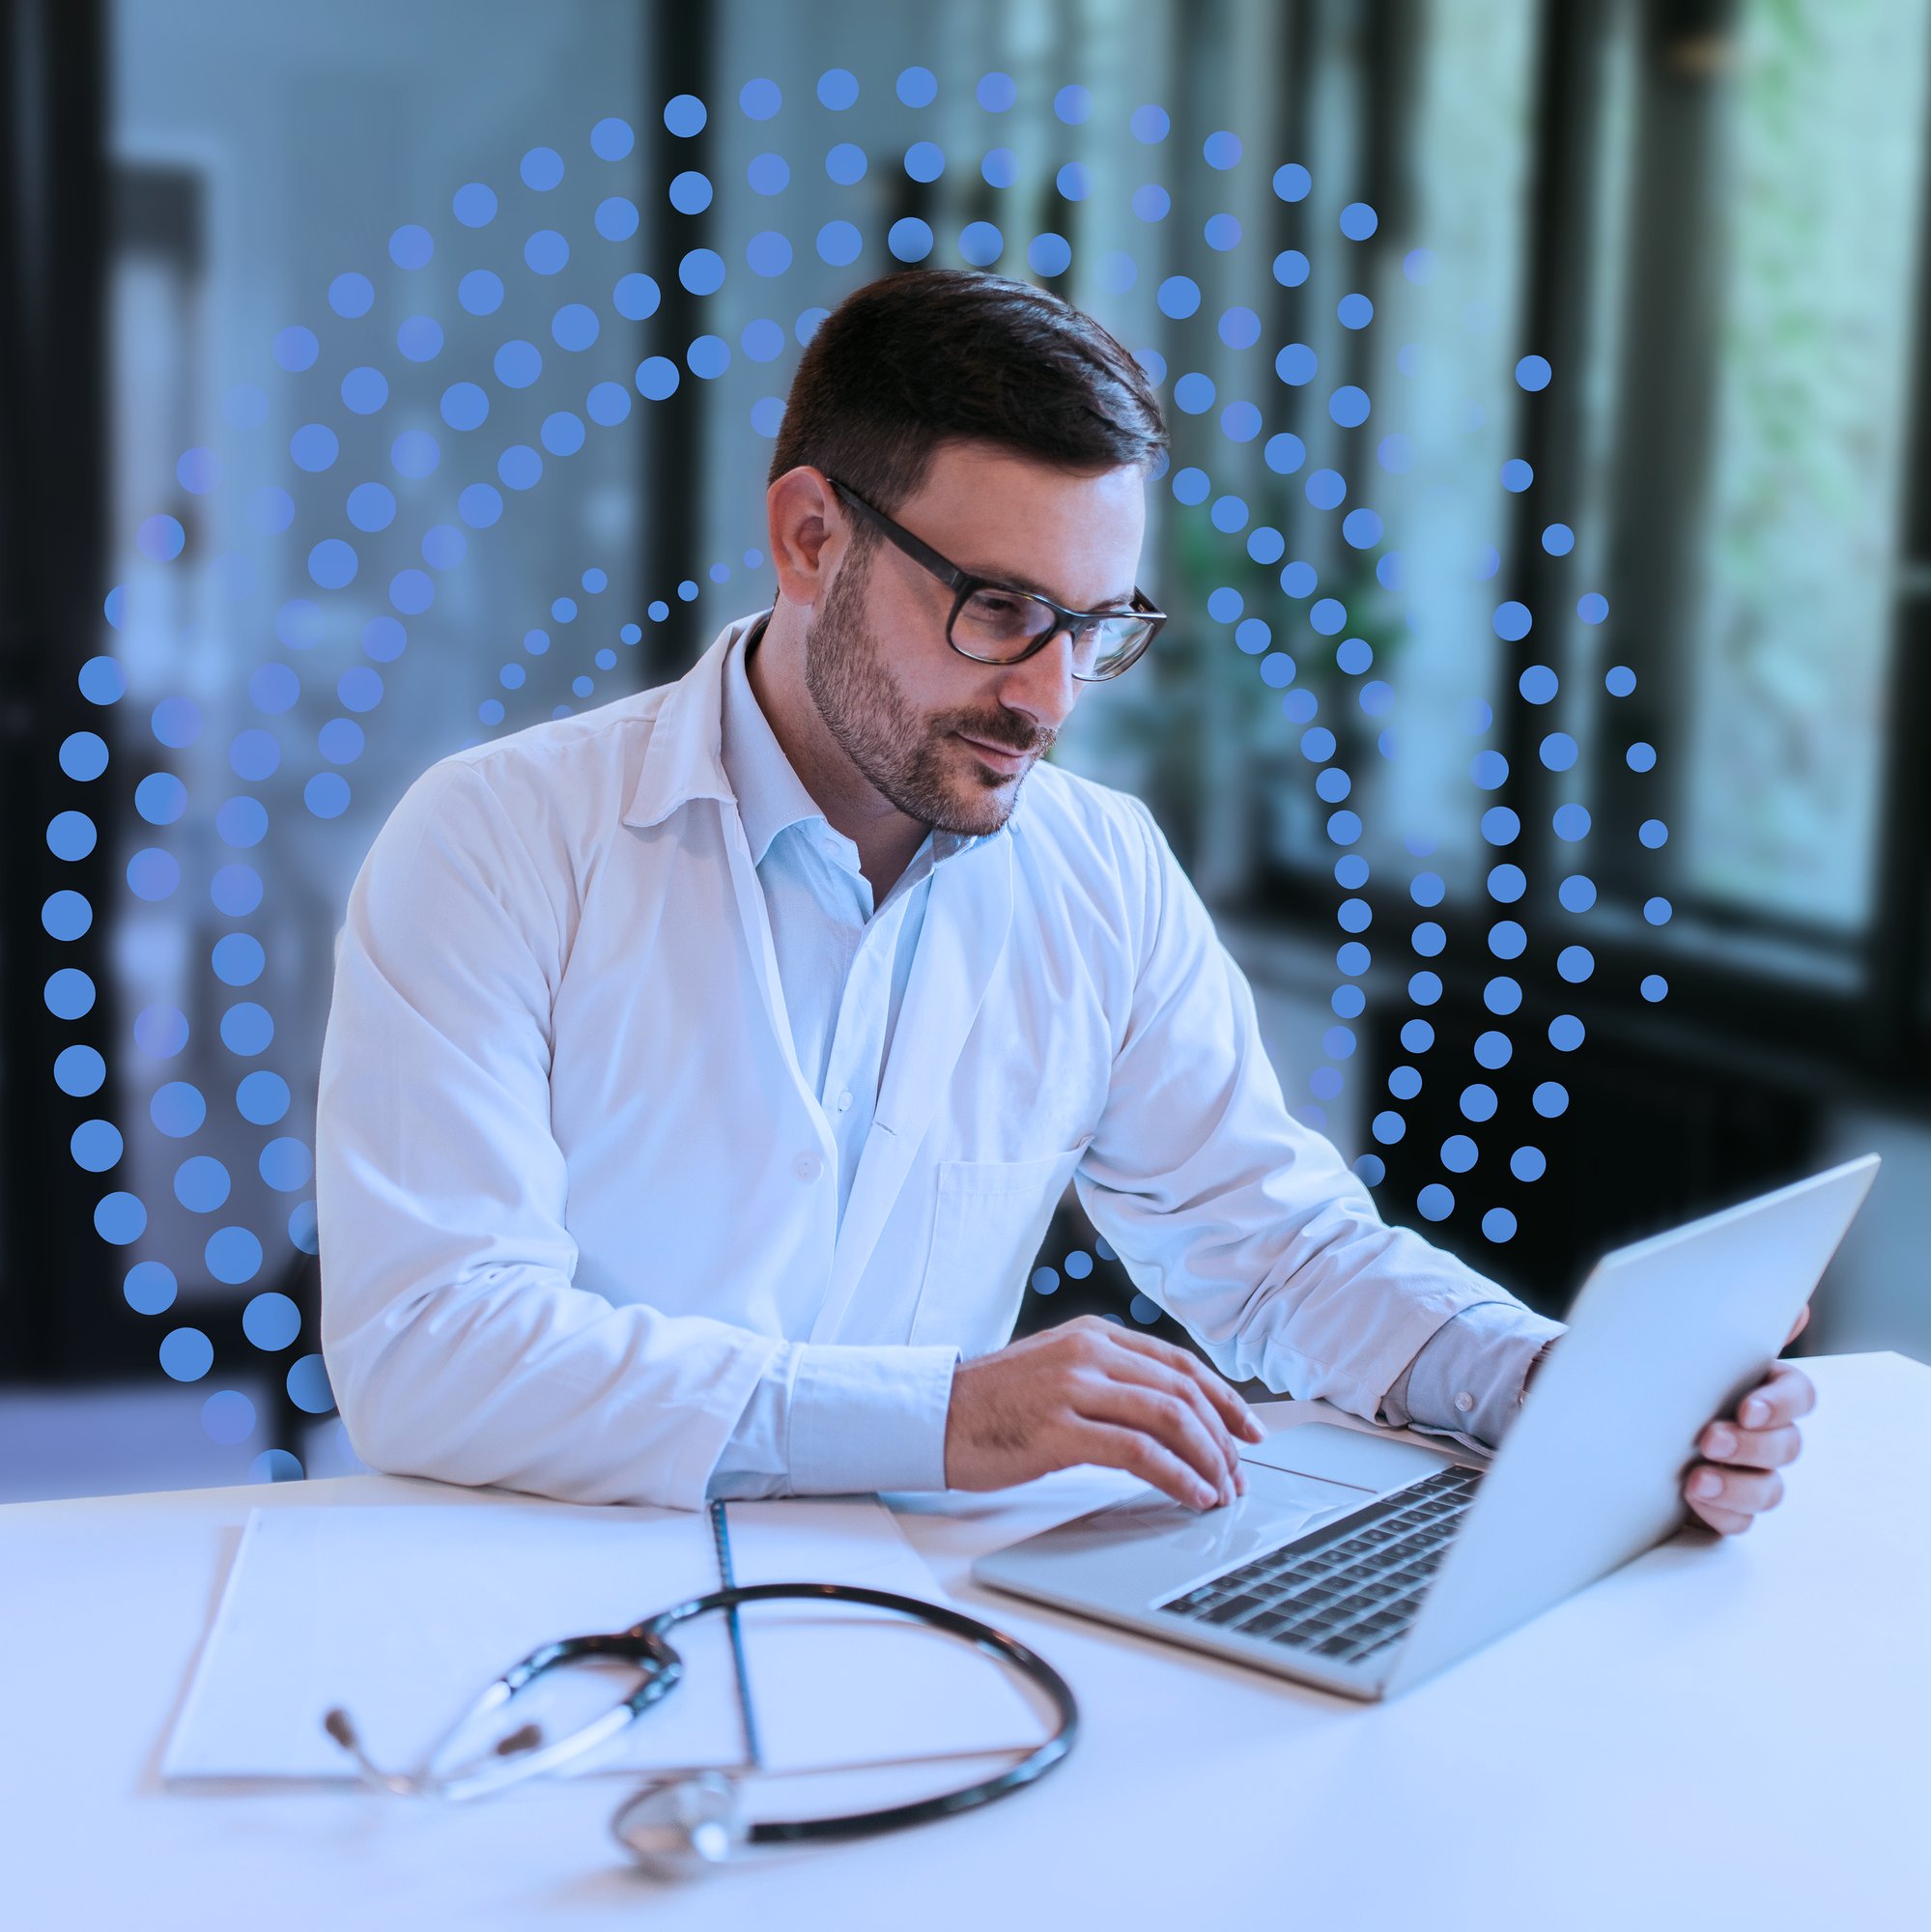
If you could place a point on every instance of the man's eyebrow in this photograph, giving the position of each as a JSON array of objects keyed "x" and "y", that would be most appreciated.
[{"x": 1013, "y": 580}]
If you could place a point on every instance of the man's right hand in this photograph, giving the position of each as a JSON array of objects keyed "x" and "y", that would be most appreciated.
[{"x": 1094, "y": 1392}]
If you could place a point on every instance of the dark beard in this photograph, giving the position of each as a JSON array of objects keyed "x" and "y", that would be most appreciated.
[{"x": 909, "y": 759}]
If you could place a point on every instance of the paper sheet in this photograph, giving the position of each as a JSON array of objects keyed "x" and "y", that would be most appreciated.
[{"x": 400, "y": 1614}]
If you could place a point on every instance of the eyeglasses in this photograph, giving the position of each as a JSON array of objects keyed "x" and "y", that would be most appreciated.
[{"x": 996, "y": 623}]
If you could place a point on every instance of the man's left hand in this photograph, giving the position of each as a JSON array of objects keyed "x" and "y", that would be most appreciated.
[{"x": 1743, "y": 1452}]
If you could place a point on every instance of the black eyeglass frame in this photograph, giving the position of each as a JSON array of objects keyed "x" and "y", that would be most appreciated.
[{"x": 963, "y": 582}]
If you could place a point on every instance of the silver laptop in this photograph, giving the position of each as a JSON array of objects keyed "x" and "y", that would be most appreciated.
[{"x": 1363, "y": 1563}]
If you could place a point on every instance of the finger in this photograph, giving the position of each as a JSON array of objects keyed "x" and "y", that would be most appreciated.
[
  {"x": 1128, "y": 1365},
  {"x": 1782, "y": 1396},
  {"x": 1752, "y": 1448},
  {"x": 1798, "y": 1327},
  {"x": 1749, "y": 1489},
  {"x": 1128, "y": 1449},
  {"x": 1166, "y": 1418},
  {"x": 1238, "y": 1417},
  {"x": 1725, "y": 1522}
]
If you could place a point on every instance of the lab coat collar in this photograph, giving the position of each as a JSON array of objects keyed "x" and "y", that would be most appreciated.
[{"x": 685, "y": 759}]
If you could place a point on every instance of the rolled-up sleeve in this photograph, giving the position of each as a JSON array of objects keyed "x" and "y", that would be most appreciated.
[
  {"x": 1246, "y": 1225},
  {"x": 456, "y": 1345}
]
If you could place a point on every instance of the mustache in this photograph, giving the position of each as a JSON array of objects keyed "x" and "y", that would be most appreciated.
[{"x": 1001, "y": 737}]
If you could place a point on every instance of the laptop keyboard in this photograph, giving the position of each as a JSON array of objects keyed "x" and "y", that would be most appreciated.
[{"x": 1348, "y": 1589}]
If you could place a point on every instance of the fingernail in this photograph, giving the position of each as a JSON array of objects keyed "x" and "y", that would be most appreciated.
[
  {"x": 1721, "y": 1441},
  {"x": 1755, "y": 1411},
  {"x": 1254, "y": 1433},
  {"x": 1707, "y": 1484}
]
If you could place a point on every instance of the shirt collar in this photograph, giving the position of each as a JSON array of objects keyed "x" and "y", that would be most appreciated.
[{"x": 770, "y": 794}]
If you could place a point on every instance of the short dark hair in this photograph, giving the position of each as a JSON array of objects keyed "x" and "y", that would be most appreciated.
[{"x": 935, "y": 354}]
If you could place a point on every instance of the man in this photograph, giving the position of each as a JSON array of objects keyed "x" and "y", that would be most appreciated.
[{"x": 703, "y": 1070}]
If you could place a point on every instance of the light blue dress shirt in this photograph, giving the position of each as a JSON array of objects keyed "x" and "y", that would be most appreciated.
[{"x": 843, "y": 964}]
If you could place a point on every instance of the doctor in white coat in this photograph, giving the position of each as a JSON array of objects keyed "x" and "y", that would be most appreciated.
[{"x": 704, "y": 1068}]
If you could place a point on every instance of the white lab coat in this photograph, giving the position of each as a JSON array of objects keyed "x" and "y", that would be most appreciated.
[{"x": 573, "y": 1191}]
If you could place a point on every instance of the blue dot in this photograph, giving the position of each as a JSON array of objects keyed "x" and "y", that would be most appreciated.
[
  {"x": 187, "y": 1355},
  {"x": 1045, "y": 1281},
  {"x": 1538, "y": 684},
  {"x": 1619, "y": 680},
  {"x": 1571, "y": 822},
  {"x": 286, "y": 1164},
  {"x": 1527, "y": 1163},
  {"x": 71, "y": 835},
  {"x": 1388, "y": 1127},
  {"x": 1511, "y": 622},
  {"x": 918, "y": 87},
  {"x": 684, "y": 115},
  {"x": 350, "y": 296},
  {"x": 232, "y": 1255},
  {"x": 1424, "y": 988},
  {"x": 1502, "y": 995},
  {"x": 1517, "y": 476},
  {"x": 313, "y": 448},
  {"x": 1533, "y": 371},
  {"x": 1593, "y": 608},
  {"x": 228, "y": 1417},
  {"x": 95, "y": 1146},
  {"x": 1150, "y": 125},
  {"x": 1049, "y": 256},
  {"x": 1285, "y": 454},
  {"x": 1326, "y": 489},
  {"x": 708, "y": 356},
  {"x": 65, "y": 915},
  {"x": 201, "y": 1184},
  {"x": 149, "y": 1289},
  {"x": 1574, "y": 963},
  {"x": 1655, "y": 986},
  {"x": 236, "y": 890},
  {"x": 1295, "y": 364},
  {"x": 1498, "y": 1225},
  {"x": 120, "y": 1218},
  {"x": 838, "y": 89},
  {"x": 1349, "y": 406},
  {"x": 1653, "y": 833},
  {"x": 160, "y": 538},
  {"x": 996, "y": 93},
  {"x": 238, "y": 958},
  {"x": 1290, "y": 268},
  {"x": 1292, "y": 182},
  {"x": 1434, "y": 1203},
  {"x": 241, "y": 822},
  {"x": 1222, "y": 232},
  {"x": 1354, "y": 311},
  {"x": 1558, "y": 751},
  {"x": 768, "y": 173},
  {"x": 1551, "y": 1100},
  {"x": 838, "y": 244},
  {"x": 297, "y": 348},
  {"x": 760, "y": 99},
  {"x": 262, "y": 1098},
  {"x": 333, "y": 563},
  {"x": 153, "y": 875},
  {"x": 1193, "y": 393},
  {"x": 1489, "y": 770},
  {"x": 1558, "y": 539},
  {"x": 160, "y": 798},
  {"x": 611, "y": 139},
  {"x": 1358, "y": 221},
  {"x": 79, "y": 1070},
  {"x": 541, "y": 169},
  {"x": 910, "y": 240},
  {"x": 1326, "y": 615},
  {"x": 1362, "y": 528},
  {"x": 1641, "y": 757},
  {"x": 1459, "y": 1153},
  {"x": 1575, "y": 892},
  {"x": 102, "y": 681}
]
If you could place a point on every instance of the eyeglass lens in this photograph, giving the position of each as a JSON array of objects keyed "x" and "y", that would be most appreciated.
[{"x": 998, "y": 625}]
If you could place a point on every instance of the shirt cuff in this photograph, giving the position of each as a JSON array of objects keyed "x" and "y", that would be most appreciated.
[
  {"x": 1466, "y": 1379},
  {"x": 869, "y": 1418}
]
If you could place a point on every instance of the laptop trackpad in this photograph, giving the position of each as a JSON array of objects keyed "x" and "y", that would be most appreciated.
[{"x": 1343, "y": 1456}]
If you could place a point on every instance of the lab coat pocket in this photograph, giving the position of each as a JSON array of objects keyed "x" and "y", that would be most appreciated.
[{"x": 992, "y": 1215}]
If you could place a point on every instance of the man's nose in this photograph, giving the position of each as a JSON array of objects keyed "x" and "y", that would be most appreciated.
[{"x": 1043, "y": 688}]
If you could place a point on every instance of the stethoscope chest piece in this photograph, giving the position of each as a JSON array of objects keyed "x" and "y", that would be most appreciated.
[{"x": 684, "y": 1828}]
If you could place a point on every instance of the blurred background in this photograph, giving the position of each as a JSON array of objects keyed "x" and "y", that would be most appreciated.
[{"x": 1544, "y": 712}]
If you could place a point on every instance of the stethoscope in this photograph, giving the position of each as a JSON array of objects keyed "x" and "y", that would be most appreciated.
[{"x": 685, "y": 1826}]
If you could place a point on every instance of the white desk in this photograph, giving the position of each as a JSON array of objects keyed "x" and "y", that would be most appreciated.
[{"x": 1727, "y": 1734}]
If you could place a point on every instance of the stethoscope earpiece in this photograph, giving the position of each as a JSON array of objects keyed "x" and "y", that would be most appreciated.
[{"x": 684, "y": 1828}]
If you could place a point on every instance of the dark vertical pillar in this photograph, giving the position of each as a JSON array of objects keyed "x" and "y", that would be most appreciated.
[{"x": 56, "y": 1277}]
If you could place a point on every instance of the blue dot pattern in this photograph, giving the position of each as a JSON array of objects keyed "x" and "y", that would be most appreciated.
[{"x": 563, "y": 239}]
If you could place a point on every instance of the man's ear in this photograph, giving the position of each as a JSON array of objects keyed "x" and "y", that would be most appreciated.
[{"x": 807, "y": 532}]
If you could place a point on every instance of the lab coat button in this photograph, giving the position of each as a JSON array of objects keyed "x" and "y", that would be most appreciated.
[
  {"x": 1464, "y": 1402},
  {"x": 808, "y": 1167}
]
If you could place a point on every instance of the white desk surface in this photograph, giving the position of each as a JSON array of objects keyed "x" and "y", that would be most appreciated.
[{"x": 1722, "y": 1733}]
